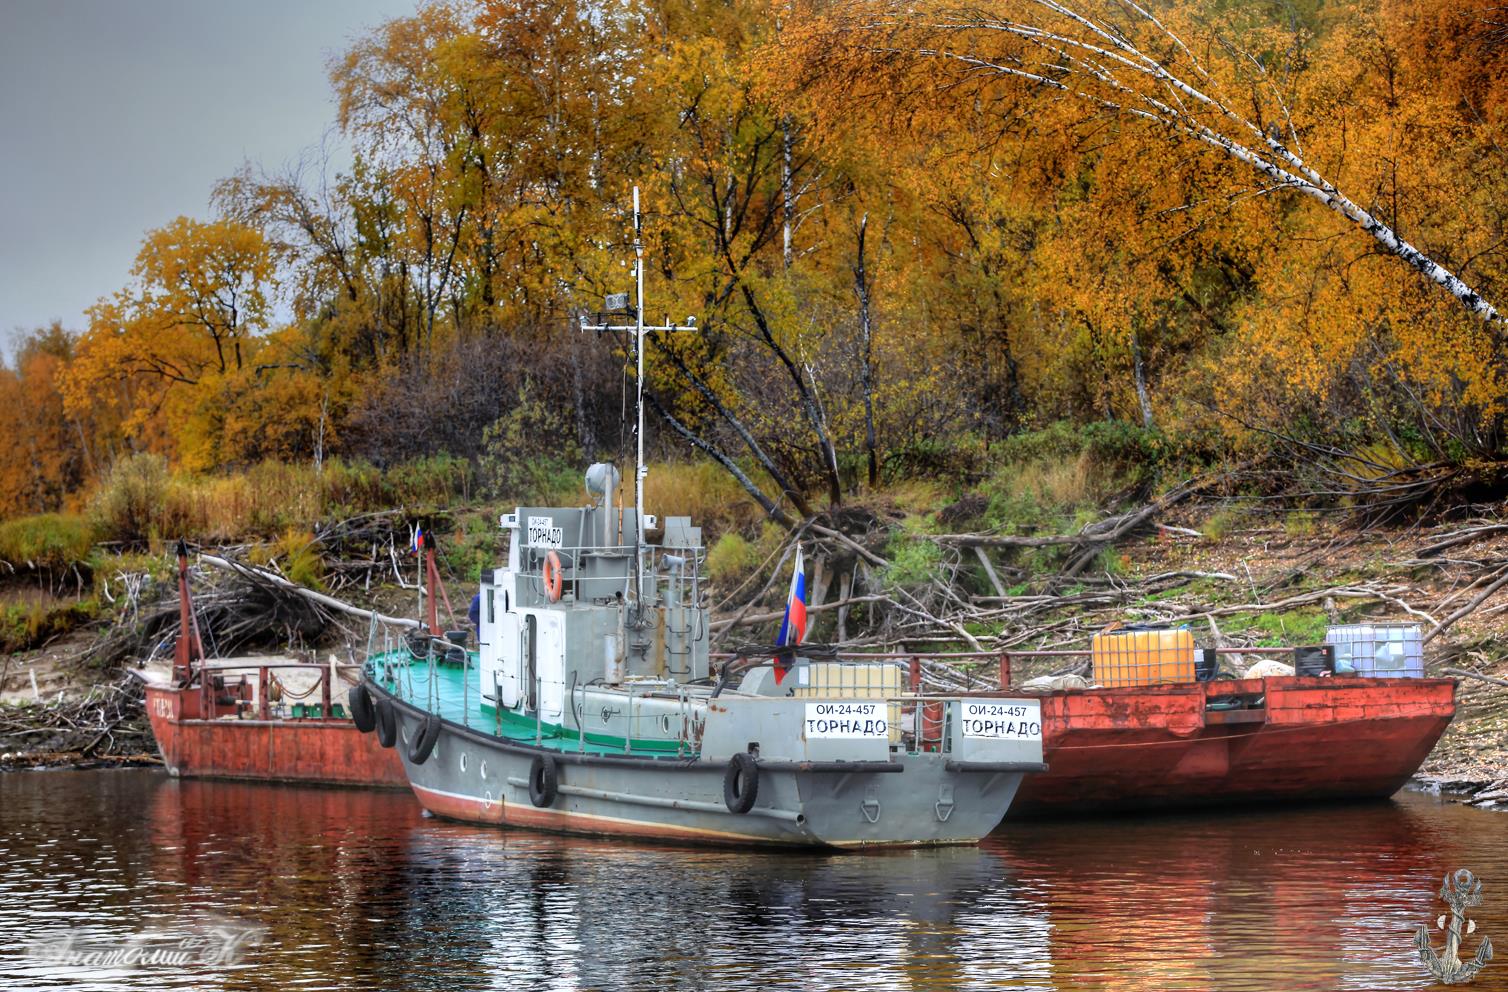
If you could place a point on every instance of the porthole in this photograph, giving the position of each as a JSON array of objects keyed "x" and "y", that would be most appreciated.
[
  {"x": 463, "y": 761},
  {"x": 665, "y": 723},
  {"x": 403, "y": 734},
  {"x": 483, "y": 770}
]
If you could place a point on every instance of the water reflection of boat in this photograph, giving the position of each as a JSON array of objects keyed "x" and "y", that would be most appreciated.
[
  {"x": 357, "y": 889},
  {"x": 318, "y": 868},
  {"x": 1210, "y": 901},
  {"x": 937, "y": 918}
]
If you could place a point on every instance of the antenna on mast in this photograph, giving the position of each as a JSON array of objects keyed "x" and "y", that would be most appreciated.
[{"x": 615, "y": 301}]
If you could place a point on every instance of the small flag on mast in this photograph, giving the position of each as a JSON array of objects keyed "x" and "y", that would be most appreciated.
[
  {"x": 418, "y": 542},
  {"x": 793, "y": 626}
]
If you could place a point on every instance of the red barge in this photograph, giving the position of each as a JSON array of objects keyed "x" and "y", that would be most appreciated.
[
  {"x": 218, "y": 720},
  {"x": 221, "y": 725},
  {"x": 1275, "y": 739},
  {"x": 1217, "y": 741}
]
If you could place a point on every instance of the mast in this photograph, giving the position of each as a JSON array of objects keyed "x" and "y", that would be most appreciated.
[
  {"x": 639, "y": 330},
  {"x": 639, "y": 468}
]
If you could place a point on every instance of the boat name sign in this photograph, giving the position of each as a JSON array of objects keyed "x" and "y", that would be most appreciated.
[
  {"x": 1016, "y": 720},
  {"x": 827, "y": 721},
  {"x": 543, "y": 533}
]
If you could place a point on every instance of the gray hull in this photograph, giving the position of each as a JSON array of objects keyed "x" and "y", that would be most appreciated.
[{"x": 913, "y": 799}]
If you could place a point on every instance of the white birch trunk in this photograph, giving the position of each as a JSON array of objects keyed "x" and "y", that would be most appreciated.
[
  {"x": 1098, "y": 63},
  {"x": 787, "y": 193},
  {"x": 1139, "y": 374}
]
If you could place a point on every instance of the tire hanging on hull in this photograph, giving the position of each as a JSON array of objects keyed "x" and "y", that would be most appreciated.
[
  {"x": 544, "y": 781},
  {"x": 741, "y": 783},
  {"x": 423, "y": 744},
  {"x": 362, "y": 713},
  {"x": 387, "y": 723}
]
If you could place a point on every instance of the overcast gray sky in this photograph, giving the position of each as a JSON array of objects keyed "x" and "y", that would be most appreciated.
[{"x": 117, "y": 116}]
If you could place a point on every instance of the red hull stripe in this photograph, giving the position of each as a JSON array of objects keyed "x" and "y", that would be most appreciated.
[{"x": 475, "y": 810}]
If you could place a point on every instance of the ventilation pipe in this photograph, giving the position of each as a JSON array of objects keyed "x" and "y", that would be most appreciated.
[{"x": 602, "y": 479}]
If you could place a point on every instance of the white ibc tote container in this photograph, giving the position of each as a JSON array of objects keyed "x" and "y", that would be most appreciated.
[{"x": 1378, "y": 650}]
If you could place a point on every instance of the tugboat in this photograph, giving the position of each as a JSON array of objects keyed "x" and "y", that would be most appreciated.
[{"x": 591, "y": 705}]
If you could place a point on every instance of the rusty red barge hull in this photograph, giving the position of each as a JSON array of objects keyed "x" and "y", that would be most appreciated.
[
  {"x": 312, "y": 751},
  {"x": 1284, "y": 739}
]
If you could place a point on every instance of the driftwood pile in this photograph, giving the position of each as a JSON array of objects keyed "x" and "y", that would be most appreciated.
[
  {"x": 239, "y": 608},
  {"x": 108, "y": 722},
  {"x": 368, "y": 550}
]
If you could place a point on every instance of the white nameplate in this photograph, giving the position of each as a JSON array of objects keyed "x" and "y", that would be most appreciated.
[
  {"x": 543, "y": 535},
  {"x": 1003, "y": 720},
  {"x": 827, "y": 721}
]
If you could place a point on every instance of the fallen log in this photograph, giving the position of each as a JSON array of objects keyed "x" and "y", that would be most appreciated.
[
  {"x": 1463, "y": 673},
  {"x": 1466, "y": 610},
  {"x": 744, "y": 619},
  {"x": 1460, "y": 537}
]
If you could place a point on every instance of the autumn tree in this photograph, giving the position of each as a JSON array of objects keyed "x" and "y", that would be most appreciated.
[
  {"x": 48, "y": 458},
  {"x": 191, "y": 317}
]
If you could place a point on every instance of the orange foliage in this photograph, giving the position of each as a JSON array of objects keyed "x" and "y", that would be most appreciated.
[{"x": 1040, "y": 241}]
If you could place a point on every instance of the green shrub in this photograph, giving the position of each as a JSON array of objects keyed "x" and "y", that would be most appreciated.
[
  {"x": 47, "y": 540},
  {"x": 1296, "y": 627},
  {"x": 731, "y": 558},
  {"x": 1115, "y": 442},
  {"x": 1300, "y": 523},
  {"x": 1225, "y": 521},
  {"x": 913, "y": 558},
  {"x": 299, "y": 554},
  {"x": 28, "y": 625},
  {"x": 473, "y": 547},
  {"x": 529, "y": 457},
  {"x": 434, "y": 481}
]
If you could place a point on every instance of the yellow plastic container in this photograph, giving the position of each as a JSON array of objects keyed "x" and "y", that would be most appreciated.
[
  {"x": 1143, "y": 657},
  {"x": 846, "y": 680}
]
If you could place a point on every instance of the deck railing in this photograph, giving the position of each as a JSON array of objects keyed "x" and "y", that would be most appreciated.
[{"x": 213, "y": 682}]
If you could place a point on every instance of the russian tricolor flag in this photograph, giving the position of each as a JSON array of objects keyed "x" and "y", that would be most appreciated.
[{"x": 793, "y": 627}]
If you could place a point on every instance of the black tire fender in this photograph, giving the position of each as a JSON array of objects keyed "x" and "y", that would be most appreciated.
[
  {"x": 362, "y": 713},
  {"x": 387, "y": 723},
  {"x": 544, "y": 781},
  {"x": 741, "y": 783},
  {"x": 424, "y": 739}
]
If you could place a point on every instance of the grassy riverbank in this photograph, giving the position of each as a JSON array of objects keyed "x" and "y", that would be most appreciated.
[{"x": 1239, "y": 565}]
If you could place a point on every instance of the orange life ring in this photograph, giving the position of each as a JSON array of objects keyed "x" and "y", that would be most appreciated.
[{"x": 552, "y": 577}]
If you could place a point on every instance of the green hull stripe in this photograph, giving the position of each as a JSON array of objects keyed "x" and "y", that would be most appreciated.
[{"x": 457, "y": 696}]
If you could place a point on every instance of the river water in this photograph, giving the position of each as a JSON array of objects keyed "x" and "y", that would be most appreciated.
[{"x": 359, "y": 890}]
